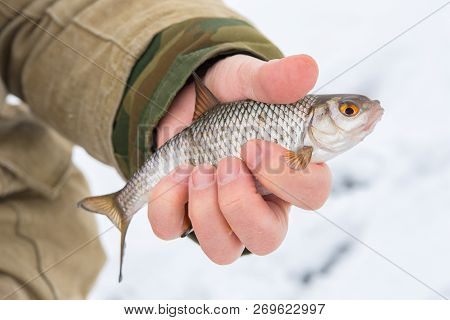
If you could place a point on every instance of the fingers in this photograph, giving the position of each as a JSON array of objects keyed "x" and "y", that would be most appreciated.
[
  {"x": 179, "y": 115},
  {"x": 166, "y": 208},
  {"x": 214, "y": 234},
  {"x": 261, "y": 226},
  {"x": 225, "y": 210},
  {"x": 307, "y": 189},
  {"x": 278, "y": 81}
]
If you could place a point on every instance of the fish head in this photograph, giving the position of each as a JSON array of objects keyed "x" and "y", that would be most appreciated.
[{"x": 339, "y": 122}]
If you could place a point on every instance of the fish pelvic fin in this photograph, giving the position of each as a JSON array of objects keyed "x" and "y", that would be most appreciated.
[{"x": 108, "y": 206}]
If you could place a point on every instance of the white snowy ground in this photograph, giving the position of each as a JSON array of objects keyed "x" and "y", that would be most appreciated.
[{"x": 392, "y": 192}]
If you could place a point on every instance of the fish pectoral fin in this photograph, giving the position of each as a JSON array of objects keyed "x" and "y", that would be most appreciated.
[
  {"x": 108, "y": 206},
  {"x": 204, "y": 99},
  {"x": 299, "y": 160}
]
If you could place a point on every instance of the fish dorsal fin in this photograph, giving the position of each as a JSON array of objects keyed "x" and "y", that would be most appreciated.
[{"x": 204, "y": 99}]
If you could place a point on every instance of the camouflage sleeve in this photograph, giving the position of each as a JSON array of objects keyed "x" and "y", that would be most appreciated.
[{"x": 163, "y": 69}]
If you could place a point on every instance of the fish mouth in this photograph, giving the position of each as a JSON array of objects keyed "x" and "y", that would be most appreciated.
[{"x": 375, "y": 114}]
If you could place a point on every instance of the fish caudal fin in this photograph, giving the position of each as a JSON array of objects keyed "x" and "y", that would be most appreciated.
[{"x": 108, "y": 206}]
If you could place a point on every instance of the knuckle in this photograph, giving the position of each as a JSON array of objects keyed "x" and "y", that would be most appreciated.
[
  {"x": 200, "y": 216},
  {"x": 322, "y": 188},
  {"x": 163, "y": 233},
  {"x": 232, "y": 206},
  {"x": 267, "y": 238},
  {"x": 264, "y": 248},
  {"x": 164, "y": 236},
  {"x": 195, "y": 212},
  {"x": 223, "y": 260},
  {"x": 318, "y": 203},
  {"x": 225, "y": 255},
  {"x": 316, "y": 198},
  {"x": 161, "y": 226}
]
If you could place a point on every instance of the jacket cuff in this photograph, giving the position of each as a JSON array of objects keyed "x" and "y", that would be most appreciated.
[{"x": 164, "y": 68}]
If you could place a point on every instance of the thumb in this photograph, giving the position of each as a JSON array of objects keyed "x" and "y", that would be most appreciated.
[{"x": 278, "y": 81}]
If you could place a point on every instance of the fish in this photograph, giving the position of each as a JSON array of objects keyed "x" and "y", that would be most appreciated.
[{"x": 314, "y": 129}]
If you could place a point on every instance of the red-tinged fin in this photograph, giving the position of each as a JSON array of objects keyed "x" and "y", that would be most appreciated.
[
  {"x": 108, "y": 206},
  {"x": 299, "y": 160},
  {"x": 204, "y": 99}
]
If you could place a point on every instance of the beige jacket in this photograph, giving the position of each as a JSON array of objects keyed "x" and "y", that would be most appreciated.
[{"x": 69, "y": 59}]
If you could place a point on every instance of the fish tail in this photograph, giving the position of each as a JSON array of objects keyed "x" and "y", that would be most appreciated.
[{"x": 108, "y": 206}]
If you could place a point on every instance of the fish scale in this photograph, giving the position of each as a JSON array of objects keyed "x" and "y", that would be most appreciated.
[{"x": 219, "y": 133}]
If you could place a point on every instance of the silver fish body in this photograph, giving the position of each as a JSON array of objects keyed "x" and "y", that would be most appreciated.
[{"x": 218, "y": 134}]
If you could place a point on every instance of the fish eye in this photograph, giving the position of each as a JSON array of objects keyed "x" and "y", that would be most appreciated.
[{"x": 348, "y": 108}]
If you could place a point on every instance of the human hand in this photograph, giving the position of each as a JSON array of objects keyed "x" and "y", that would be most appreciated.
[{"x": 225, "y": 210}]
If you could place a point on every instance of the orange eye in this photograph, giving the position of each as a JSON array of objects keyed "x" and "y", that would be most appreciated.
[{"x": 348, "y": 109}]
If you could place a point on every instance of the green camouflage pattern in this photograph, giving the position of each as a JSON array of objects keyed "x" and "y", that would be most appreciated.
[{"x": 164, "y": 68}]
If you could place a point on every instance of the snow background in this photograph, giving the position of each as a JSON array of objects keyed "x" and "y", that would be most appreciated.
[{"x": 392, "y": 191}]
